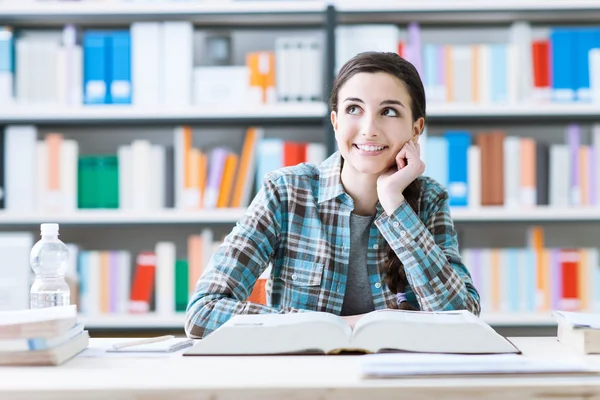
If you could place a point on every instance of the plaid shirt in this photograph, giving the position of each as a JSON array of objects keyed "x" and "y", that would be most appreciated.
[{"x": 299, "y": 223}]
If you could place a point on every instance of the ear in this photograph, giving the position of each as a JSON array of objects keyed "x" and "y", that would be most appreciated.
[
  {"x": 334, "y": 121},
  {"x": 418, "y": 129}
]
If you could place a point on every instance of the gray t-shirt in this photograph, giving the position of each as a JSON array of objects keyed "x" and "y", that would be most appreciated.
[{"x": 358, "y": 298}]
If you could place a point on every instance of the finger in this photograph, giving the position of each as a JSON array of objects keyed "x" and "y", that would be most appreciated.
[{"x": 401, "y": 157}]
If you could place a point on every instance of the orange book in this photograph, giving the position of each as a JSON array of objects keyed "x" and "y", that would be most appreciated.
[
  {"x": 536, "y": 242},
  {"x": 256, "y": 78},
  {"x": 401, "y": 49},
  {"x": 142, "y": 287},
  {"x": 541, "y": 63},
  {"x": 54, "y": 142},
  {"x": 202, "y": 172},
  {"x": 244, "y": 175},
  {"x": 259, "y": 294},
  {"x": 544, "y": 279},
  {"x": 187, "y": 146},
  {"x": 584, "y": 279},
  {"x": 497, "y": 279},
  {"x": 475, "y": 77},
  {"x": 448, "y": 78},
  {"x": 268, "y": 61},
  {"x": 228, "y": 177},
  {"x": 528, "y": 175},
  {"x": 195, "y": 260},
  {"x": 104, "y": 282}
]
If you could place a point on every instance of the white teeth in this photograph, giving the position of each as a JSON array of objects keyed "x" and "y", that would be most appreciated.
[{"x": 369, "y": 148}]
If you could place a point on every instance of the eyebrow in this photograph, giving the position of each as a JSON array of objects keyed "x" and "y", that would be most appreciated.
[{"x": 385, "y": 102}]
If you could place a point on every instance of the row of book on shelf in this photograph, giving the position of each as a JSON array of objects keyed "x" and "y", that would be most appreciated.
[
  {"x": 531, "y": 279},
  {"x": 153, "y": 63},
  {"x": 532, "y": 65},
  {"x": 134, "y": 66},
  {"x": 478, "y": 169},
  {"x": 49, "y": 175},
  {"x": 496, "y": 169}
]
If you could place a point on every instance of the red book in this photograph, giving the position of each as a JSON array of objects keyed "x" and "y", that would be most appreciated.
[
  {"x": 541, "y": 63},
  {"x": 569, "y": 265},
  {"x": 142, "y": 287}
]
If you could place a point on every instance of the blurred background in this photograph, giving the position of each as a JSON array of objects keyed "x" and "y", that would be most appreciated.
[{"x": 143, "y": 129}]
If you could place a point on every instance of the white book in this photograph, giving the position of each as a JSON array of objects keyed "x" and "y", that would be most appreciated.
[
  {"x": 124, "y": 283},
  {"x": 178, "y": 45},
  {"x": 165, "y": 278},
  {"x": 125, "y": 159},
  {"x": 157, "y": 165},
  {"x": 93, "y": 284},
  {"x": 594, "y": 68},
  {"x": 596, "y": 158},
  {"x": 23, "y": 85},
  {"x": 35, "y": 344},
  {"x": 560, "y": 175},
  {"x": 313, "y": 68},
  {"x": 320, "y": 332},
  {"x": 224, "y": 85},
  {"x": 512, "y": 172},
  {"x": 474, "y": 176},
  {"x": 521, "y": 38},
  {"x": 68, "y": 175},
  {"x": 283, "y": 69},
  {"x": 20, "y": 168},
  {"x": 141, "y": 152},
  {"x": 14, "y": 271},
  {"x": 207, "y": 246},
  {"x": 37, "y": 322},
  {"x": 462, "y": 73},
  {"x": 42, "y": 194},
  {"x": 484, "y": 79},
  {"x": 146, "y": 63},
  {"x": 179, "y": 167},
  {"x": 579, "y": 330}
]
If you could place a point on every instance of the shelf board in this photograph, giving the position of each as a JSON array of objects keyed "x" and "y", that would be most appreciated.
[
  {"x": 466, "y": 11},
  {"x": 288, "y": 113},
  {"x": 232, "y": 215},
  {"x": 529, "y": 111},
  {"x": 537, "y": 214},
  {"x": 225, "y": 12},
  {"x": 312, "y": 112},
  {"x": 120, "y": 217},
  {"x": 176, "y": 321}
]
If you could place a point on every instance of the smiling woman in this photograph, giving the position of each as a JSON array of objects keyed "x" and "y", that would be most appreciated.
[{"x": 362, "y": 231}]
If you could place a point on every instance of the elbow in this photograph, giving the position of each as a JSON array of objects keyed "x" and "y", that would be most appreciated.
[{"x": 198, "y": 319}]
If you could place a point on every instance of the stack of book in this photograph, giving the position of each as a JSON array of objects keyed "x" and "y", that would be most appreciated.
[
  {"x": 579, "y": 330},
  {"x": 45, "y": 336}
]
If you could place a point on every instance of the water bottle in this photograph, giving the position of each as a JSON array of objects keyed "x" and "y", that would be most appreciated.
[{"x": 49, "y": 260}]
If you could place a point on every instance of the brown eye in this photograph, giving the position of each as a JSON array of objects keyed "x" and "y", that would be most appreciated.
[{"x": 390, "y": 112}]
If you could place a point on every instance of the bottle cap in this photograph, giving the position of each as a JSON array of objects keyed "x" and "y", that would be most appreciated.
[{"x": 49, "y": 229}]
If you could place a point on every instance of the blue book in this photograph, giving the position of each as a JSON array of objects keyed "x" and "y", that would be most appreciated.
[
  {"x": 6, "y": 50},
  {"x": 95, "y": 67},
  {"x": 584, "y": 41},
  {"x": 120, "y": 68},
  {"x": 29, "y": 344},
  {"x": 270, "y": 158},
  {"x": 499, "y": 73},
  {"x": 436, "y": 159},
  {"x": 562, "y": 64},
  {"x": 511, "y": 282},
  {"x": 458, "y": 184}
]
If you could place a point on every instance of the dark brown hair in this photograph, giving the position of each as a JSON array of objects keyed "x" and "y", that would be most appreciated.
[{"x": 393, "y": 64}]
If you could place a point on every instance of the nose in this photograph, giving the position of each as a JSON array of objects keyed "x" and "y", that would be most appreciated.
[{"x": 369, "y": 127}]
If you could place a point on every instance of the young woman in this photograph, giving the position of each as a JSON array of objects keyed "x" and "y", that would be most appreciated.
[{"x": 361, "y": 231}]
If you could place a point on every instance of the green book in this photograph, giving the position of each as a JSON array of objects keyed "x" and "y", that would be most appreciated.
[{"x": 181, "y": 285}]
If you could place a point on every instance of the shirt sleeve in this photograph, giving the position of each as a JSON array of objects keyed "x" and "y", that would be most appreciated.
[
  {"x": 234, "y": 268},
  {"x": 429, "y": 252}
]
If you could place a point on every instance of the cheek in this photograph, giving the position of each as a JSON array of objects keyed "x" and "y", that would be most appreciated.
[{"x": 347, "y": 125}]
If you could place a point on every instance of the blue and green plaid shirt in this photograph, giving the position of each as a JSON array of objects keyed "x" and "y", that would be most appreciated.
[{"x": 299, "y": 223}]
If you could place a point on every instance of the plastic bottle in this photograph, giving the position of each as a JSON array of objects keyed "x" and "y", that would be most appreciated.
[{"x": 49, "y": 260}]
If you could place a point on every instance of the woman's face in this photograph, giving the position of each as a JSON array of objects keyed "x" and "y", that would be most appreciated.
[{"x": 373, "y": 121}]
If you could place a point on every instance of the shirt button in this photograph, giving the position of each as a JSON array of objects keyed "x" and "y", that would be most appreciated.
[
  {"x": 378, "y": 285},
  {"x": 396, "y": 224},
  {"x": 402, "y": 233},
  {"x": 375, "y": 246},
  {"x": 294, "y": 277}
]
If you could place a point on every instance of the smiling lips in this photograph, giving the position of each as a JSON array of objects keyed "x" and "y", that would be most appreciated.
[{"x": 369, "y": 149}]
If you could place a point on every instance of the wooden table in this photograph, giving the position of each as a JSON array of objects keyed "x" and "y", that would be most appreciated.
[{"x": 265, "y": 378}]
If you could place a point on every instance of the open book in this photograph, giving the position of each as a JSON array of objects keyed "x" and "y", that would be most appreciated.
[{"x": 379, "y": 331}]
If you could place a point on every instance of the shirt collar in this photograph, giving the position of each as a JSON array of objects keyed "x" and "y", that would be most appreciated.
[{"x": 330, "y": 179}]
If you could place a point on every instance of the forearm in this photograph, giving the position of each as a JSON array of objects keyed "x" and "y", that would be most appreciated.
[
  {"x": 435, "y": 274},
  {"x": 208, "y": 312}
]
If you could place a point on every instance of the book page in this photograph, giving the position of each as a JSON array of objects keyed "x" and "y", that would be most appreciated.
[
  {"x": 14, "y": 317},
  {"x": 579, "y": 319},
  {"x": 276, "y": 320}
]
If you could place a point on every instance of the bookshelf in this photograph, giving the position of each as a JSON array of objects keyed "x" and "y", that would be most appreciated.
[
  {"x": 304, "y": 113},
  {"x": 283, "y": 15},
  {"x": 174, "y": 217}
]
